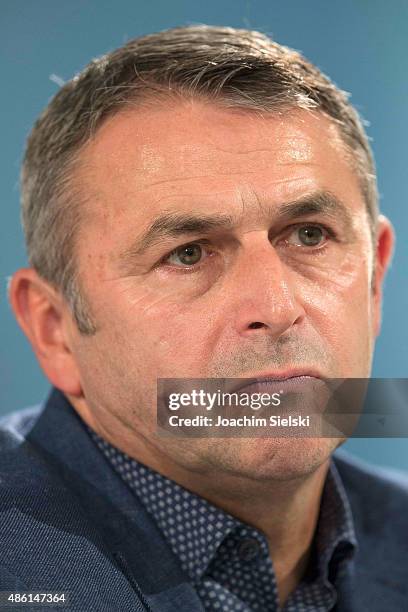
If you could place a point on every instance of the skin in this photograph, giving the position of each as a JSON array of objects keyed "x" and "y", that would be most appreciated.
[{"x": 314, "y": 307}]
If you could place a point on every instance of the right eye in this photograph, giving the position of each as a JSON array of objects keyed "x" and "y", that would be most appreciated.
[{"x": 189, "y": 254}]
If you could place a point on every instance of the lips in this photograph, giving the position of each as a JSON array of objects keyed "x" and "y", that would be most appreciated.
[{"x": 277, "y": 382}]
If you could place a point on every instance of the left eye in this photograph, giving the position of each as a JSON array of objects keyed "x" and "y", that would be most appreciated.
[
  {"x": 187, "y": 255},
  {"x": 307, "y": 235}
]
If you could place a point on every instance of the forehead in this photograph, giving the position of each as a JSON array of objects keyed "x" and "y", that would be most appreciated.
[{"x": 198, "y": 156}]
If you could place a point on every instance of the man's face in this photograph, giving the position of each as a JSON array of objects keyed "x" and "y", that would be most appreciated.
[{"x": 282, "y": 285}]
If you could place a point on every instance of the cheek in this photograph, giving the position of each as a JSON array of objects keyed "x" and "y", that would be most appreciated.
[
  {"x": 163, "y": 331},
  {"x": 339, "y": 308}
]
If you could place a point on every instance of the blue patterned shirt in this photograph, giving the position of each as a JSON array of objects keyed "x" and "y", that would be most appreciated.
[{"x": 228, "y": 561}]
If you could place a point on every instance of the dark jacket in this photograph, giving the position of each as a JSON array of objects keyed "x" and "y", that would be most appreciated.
[{"x": 68, "y": 524}]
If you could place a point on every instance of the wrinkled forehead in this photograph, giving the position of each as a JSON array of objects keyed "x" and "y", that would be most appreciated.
[{"x": 142, "y": 160}]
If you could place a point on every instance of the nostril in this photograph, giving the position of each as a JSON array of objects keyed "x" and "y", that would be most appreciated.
[{"x": 255, "y": 325}]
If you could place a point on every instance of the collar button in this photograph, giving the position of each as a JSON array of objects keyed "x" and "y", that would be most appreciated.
[{"x": 248, "y": 549}]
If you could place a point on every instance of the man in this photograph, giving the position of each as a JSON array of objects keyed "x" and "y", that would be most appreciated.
[{"x": 200, "y": 203}]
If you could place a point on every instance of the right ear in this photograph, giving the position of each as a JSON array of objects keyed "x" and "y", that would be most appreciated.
[{"x": 43, "y": 315}]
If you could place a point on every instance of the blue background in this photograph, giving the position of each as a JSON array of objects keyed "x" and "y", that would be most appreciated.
[{"x": 361, "y": 44}]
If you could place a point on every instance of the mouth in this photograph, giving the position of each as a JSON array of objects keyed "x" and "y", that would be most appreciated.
[{"x": 278, "y": 382}]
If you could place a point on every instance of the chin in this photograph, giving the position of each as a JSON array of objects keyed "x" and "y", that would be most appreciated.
[{"x": 276, "y": 458}]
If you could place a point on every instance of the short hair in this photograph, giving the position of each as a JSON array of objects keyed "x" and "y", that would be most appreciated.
[{"x": 234, "y": 68}]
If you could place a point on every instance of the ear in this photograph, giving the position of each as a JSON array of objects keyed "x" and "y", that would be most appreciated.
[
  {"x": 45, "y": 319},
  {"x": 383, "y": 255}
]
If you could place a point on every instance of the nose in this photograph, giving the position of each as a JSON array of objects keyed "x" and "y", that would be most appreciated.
[{"x": 264, "y": 291}]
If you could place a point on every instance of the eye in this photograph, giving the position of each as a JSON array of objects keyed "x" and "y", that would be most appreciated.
[
  {"x": 308, "y": 236},
  {"x": 187, "y": 255}
]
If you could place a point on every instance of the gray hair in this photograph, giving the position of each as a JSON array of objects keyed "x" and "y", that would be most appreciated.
[{"x": 234, "y": 68}]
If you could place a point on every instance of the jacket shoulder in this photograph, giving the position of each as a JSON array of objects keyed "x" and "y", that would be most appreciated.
[
  {"x": 378, "y": 496},
  {"x": 356, "y": 471},
  {"x": 15, "y": 426},
  {"x": 23, "y": 468}
]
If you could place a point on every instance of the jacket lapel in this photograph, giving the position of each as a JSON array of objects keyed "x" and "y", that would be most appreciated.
[
  {"x": 113, "y": 520},
  {"x": 377, "y": 579}
]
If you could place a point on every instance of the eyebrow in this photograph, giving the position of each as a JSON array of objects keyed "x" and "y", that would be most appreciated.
[{"x": 179, "y": 223}]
